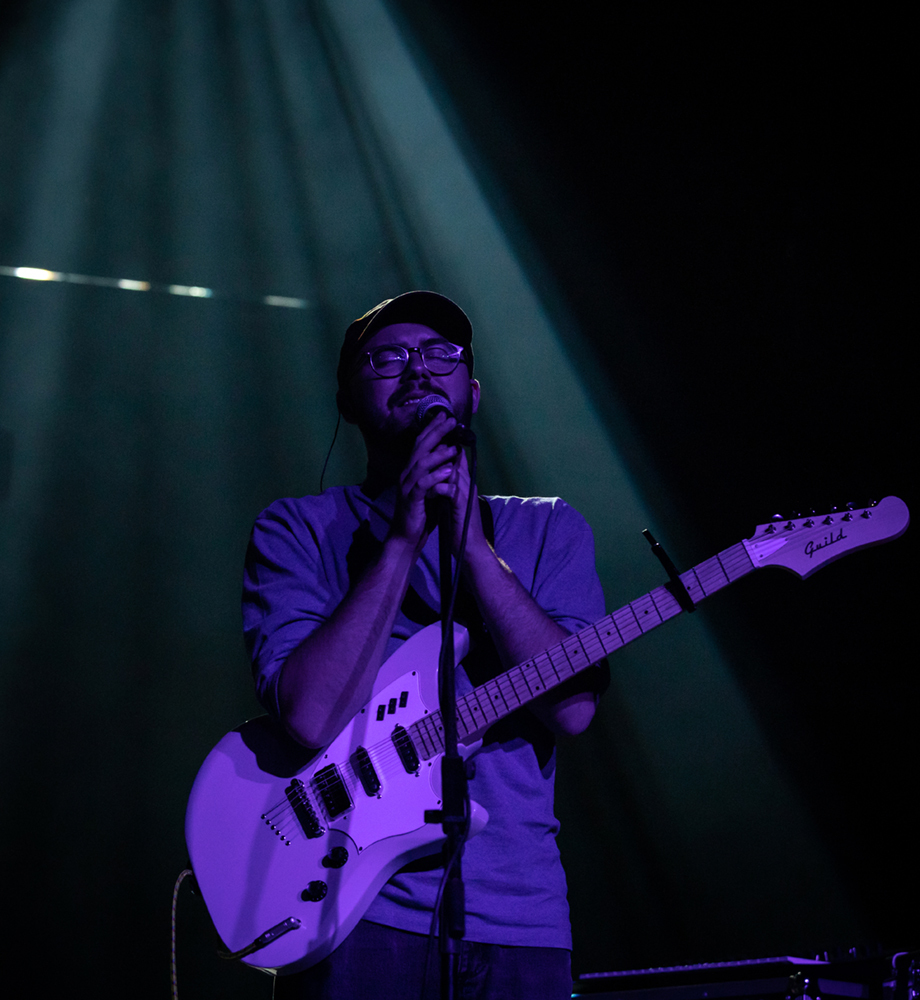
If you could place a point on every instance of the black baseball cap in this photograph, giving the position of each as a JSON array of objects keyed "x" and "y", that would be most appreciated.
[{"x": 428, "y": 308}]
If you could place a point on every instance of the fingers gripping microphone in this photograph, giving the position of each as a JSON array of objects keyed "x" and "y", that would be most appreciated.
[{"x": 429, "y": 407}]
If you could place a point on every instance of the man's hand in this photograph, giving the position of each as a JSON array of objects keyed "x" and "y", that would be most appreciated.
[{"x": 433, "y": 471}]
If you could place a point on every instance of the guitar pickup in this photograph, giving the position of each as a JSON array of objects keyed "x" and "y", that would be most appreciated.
[
  {"x": 364, "y": 768},
  {"x": 406, "y": 749},
  {"x": 328, "y": 784}
]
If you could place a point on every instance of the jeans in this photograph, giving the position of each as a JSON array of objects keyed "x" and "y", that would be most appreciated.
[{"x": 381, "y": 963}]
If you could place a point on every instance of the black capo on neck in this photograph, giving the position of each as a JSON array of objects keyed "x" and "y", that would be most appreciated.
[{"x": 675, "y": 585}]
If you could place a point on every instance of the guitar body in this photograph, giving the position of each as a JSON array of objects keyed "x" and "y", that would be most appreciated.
[{"x": 256, "y": 848}]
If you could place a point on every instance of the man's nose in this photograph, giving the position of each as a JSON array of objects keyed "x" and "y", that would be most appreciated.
[{"x": 415, "y": 366}]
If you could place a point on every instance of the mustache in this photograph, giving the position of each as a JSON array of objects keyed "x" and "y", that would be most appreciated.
[{"x": 417, "y": 391}]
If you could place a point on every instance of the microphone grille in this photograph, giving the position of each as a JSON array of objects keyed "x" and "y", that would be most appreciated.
[{"x": 432, "y": 403}]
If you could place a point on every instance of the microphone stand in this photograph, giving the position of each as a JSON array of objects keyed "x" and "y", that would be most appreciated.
[{"x": 455, "y": 798}]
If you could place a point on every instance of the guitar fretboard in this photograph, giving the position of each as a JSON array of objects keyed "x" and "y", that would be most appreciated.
[{"x": 514, "y": 688}]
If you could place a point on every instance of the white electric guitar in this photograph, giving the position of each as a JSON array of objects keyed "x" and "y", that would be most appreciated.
[{"x": 289, "y": 848}]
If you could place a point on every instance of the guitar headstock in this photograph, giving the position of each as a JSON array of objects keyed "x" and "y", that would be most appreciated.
[{"x": 805, "y": 544}]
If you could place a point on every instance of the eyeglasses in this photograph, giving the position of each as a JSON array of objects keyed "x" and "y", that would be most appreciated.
[{"x": 391, "y": 360}]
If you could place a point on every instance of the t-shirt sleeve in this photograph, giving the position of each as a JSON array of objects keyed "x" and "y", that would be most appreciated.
[
  {"x": 286, "y": 593},
  {"x": 550, "y": 547}
]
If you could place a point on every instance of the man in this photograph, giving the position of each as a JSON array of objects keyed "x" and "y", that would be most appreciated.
[{"x": 335, "y": 583}]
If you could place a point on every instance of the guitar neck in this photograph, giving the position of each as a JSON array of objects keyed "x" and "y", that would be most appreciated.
[{"x": 520, "y": 685}]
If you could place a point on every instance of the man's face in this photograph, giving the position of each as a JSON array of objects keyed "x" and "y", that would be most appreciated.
[{"x": 384, "y": 408}]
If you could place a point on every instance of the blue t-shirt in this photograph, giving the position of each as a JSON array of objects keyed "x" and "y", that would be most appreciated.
[{"x": 303, "y": 556}]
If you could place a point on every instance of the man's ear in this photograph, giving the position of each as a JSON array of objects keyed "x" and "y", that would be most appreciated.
[
  {"x": 474, "y": 391},
  {"x": 343, "y": 402}
]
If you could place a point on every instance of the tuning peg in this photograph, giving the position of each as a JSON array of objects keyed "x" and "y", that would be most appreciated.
[{"x": 777, "y": 517}]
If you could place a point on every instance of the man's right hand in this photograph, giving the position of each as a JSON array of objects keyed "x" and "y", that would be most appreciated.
[{"x": 429, "y": 473}]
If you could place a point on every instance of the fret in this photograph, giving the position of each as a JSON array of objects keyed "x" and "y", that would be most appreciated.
[
  {"x": 694, "y": 588},
  {"x": 481, "y": 710},
  {"x": 711, "y": 575},
  {"x": 532, "y": 679},
  {"x": 646, "y": 613},
  {"x": 497, "y": 699},
  {"x": 416, "y": 731},
  {"x": 592, "y": 643},
  {"x": 554, "y": 665},
  {"x": 575, "y": 656},
  {"x": 506, "y": 688},
  {"x": 666, "y": 604},
  {"x": 487, "y": 710},
  {"x": 434, "y": 728},
  {"x": 627, "y": 624},
  {"x": 429, "y": 735},
  {"x": 519, "y": 689},
  {"x": 465, "y": 722},
  {"x": 736, "y": 561},
  {"x": 612, "y": 639}
]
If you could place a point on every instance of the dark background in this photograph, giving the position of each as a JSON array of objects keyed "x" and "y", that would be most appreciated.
[
  {"x": 735, "y": 185},
  {"x": 721, "y": 203}
]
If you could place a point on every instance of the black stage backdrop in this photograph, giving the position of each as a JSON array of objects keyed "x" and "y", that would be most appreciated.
[{"x": 718, "y": 204}]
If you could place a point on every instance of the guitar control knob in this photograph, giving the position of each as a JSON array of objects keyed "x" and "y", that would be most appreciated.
[
  {"x": 336, "y": 858},
  {"x": 314, "y": 892}
]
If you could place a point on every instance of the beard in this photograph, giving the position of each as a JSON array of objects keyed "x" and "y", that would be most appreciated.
[{"x": 389, "y": 446}]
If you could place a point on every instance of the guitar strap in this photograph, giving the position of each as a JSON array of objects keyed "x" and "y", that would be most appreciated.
[{"x": 488, "y": 522}]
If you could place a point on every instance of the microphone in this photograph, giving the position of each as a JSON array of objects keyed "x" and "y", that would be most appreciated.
[{"x": 429, "y": 407}]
